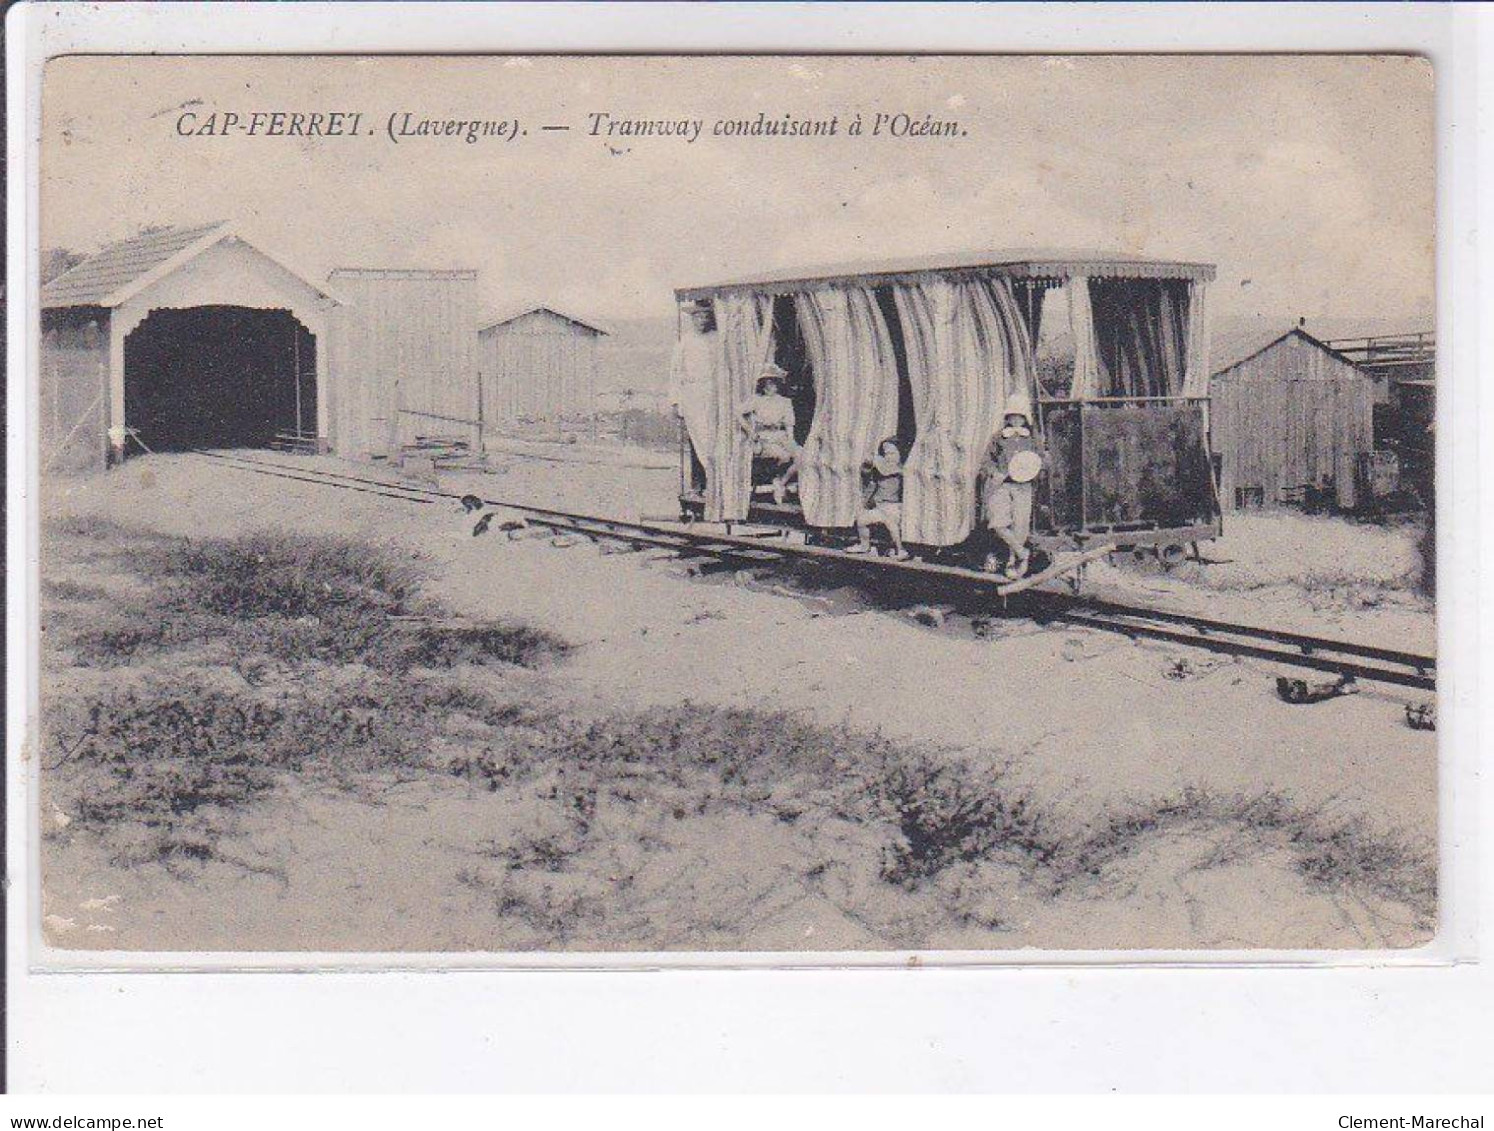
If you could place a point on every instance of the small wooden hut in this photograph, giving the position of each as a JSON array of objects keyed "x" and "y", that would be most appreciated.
[
  {"x": 1290, "y": 417},
  {"x": 538, "y": 364},
  {"x": 404, "y": 359}
]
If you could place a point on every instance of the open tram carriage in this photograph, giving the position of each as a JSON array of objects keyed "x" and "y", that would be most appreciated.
[{"x": 1111, "y": 352}]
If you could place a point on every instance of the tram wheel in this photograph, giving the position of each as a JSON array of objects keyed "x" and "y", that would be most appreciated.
[{"x": 1172, "y": 554}]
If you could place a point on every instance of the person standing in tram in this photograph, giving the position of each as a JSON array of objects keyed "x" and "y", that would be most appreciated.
[
  {"x": 692, "y": 383},
  {"x": 1013, "y": 460},
  {"x": 768, "y": 418}
]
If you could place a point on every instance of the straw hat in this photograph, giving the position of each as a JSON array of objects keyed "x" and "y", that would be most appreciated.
[{"x": 771, "y": 371}]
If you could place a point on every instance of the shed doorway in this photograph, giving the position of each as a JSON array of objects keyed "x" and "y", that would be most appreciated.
[{"x": 219, "y": 377}]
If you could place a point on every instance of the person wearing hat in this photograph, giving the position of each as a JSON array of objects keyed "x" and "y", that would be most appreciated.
[
  {"x": 882, "y": 500},
  {"x": 692, "y": 383},
  {"x": 768, "y": 418},
  {"x": 1013, "y": 461}
]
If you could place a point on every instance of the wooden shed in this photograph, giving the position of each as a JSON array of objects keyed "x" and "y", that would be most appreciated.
[
  {"x": 538, "y": 363},
  {"x": 1289, "y": 415},
  {"x": 404, "y": 357},
  {"x": 1404, "y": 367},
  {"x": 179, "y": 338}
]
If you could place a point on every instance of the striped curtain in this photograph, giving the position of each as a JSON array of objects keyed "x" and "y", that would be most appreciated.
[
  {"x": 922, "y": 309},
  {"x": 1141, "y": 332},
  {"x": 1086, "y": 381},
  {"x": 855, "y": 385},
  {"x": 968, "y": 351},
  {"x": 1196, "y": 379},
  {"x": 744, "y": 334}
]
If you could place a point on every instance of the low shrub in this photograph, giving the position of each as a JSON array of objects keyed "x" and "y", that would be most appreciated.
[
  {"x": 287, "y": 575},
  {"x": 92, "y": 527},
  {"x": 65, "y": 589},
  {"x": 295, "y": 599},
  {"x": 164, "y": 722},
  {"x": 175, "y": 758},
  {"x": 153, "y": 755},
  {"x": 951, "y": 811},
  {"x": 120, "y": 636},
  {"x": 442, "y": 646},
  {"x": 1328, "y": 851},
  {"x": 182, "y": 757}
]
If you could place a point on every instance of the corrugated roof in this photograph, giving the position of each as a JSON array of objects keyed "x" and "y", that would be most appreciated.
[
  {"x": 1230, "y": 348},
  {"x": 505, "y": 316},
  {"x": 1018, "y": 262},
  {"x": 99, "y": 277}
]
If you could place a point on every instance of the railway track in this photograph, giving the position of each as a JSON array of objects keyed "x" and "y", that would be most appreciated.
[{"x": 1344, "y": 658}]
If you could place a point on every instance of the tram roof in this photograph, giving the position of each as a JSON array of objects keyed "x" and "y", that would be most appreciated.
[{"x": 1020, "y": 263}]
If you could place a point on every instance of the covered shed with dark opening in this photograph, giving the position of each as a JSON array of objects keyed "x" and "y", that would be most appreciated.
[
  {"x": 175, "y": 339},
  {"x": 538, "y": 363},
  {"x": 1290, "y": 419}
]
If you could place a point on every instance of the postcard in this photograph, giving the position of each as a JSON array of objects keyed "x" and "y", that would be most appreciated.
[{"x": 791, "y": 504}]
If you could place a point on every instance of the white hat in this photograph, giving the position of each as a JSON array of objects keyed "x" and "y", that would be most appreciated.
[
  {"x": 1018, "y": 405},
  {"x": 771, "y": 372}
]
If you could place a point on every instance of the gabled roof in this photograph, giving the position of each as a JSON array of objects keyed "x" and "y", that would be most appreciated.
[
  {"x": 510, "y": 315},
  {"x": 123, "y": 269},
  {"x": 1028, "y": 263},
  {"x": 93, "y": 281},
  {"x": 1229, "y": 349}
]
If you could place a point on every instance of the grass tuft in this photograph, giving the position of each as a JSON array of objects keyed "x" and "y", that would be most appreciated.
[
  {"x": 950, "y": 812},
  {"x": 501, "y": 642},
  {"x": 65, "y": 589},
  {"x": 292, "y": 599},
  {"x": 1331, "y": 852},
  {"x": 288, "y": 575}
]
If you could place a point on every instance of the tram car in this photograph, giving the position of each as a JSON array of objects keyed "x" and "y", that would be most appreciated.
[{"x": 931, "y": 354}]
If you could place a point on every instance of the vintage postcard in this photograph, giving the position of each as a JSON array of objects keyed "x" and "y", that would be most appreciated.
[{"x": 788, "y": 504}]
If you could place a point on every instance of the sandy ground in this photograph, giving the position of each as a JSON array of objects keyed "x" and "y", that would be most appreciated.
[
  {"x": 1088, "y": 720},
  {"x": 1313, "y": 574}
]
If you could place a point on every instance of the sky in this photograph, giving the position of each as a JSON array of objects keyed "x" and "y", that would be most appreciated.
[{"x": 1309, "y": 180}]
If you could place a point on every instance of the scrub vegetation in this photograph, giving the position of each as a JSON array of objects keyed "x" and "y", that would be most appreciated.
[
  {"x": 271, "y": 597},
  {"x": 270, "y": 662}
]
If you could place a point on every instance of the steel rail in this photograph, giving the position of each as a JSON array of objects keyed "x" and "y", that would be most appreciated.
[
  {"x": 1308, "y": 645},
  {"x": 1135, "y": 626},
  {"x": 1392, "y": 666}
]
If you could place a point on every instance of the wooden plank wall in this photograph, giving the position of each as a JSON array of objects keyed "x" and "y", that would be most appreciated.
[
  {"x": 538, "y": 366},
  {"x": 403, "y": 340},
  {"x": 74, "y": 391},
  {"x": 1292, "y": 415}
]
